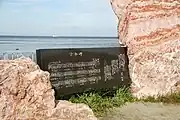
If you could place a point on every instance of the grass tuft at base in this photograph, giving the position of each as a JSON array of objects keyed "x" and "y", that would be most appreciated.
[{"x": 101, "y": 102}]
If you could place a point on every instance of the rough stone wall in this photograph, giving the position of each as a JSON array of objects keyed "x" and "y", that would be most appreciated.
[{"x": 151, "y": 31}]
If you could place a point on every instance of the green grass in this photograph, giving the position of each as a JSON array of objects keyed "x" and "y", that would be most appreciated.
[
  {"x": 101, "y": 102},
  {"x": 173, "y": 98}
]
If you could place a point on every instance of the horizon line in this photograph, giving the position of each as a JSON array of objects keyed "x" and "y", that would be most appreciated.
[{"x": 58, "y": 36}]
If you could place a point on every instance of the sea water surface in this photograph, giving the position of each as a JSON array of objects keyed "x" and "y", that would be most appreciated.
[{"x": 29, "y": 44}]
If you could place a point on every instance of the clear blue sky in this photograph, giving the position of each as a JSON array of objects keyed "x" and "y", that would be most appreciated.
[{"x": 60, "y": 17}]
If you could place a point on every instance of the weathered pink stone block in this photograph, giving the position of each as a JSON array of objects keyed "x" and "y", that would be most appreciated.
[{"x": 151, "y": 31}]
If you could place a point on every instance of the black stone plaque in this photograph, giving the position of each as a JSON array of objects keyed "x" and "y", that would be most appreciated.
[{"x": 82, "y": 69}]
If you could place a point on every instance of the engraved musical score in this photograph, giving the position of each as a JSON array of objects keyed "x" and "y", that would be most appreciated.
[{"x": 78, "y": 70}]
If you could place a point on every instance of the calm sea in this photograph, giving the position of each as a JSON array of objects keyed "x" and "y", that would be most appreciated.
[{"x": 24, "y": 44}]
